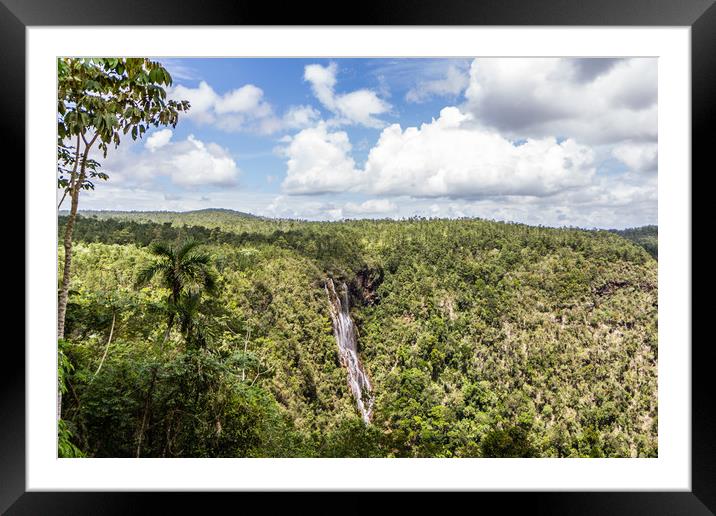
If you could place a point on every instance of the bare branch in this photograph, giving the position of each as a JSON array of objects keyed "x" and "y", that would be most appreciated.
[
  {"x": 246, "y": 343},
  {"x": 62, "y": 200},
  {"x": 260, "y": 373},
  {"x": 106, "y": 349}
]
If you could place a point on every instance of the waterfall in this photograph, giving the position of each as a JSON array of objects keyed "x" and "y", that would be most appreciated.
[{"x": 344, "y": 330}]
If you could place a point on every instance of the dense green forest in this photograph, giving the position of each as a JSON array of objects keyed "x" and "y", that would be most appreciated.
[
  {"x": 645, "y": 236},
  {"x": 209, "y": 334}
]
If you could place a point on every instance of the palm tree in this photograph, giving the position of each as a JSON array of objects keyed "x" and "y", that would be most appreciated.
[
  {"x": 183, "y": 271},
  {"x": 191, "y": 328},
  {"x": 186, "y": 273}
]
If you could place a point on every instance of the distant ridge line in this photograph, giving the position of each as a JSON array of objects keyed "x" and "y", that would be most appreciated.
[{"x": 247, "y": 215}]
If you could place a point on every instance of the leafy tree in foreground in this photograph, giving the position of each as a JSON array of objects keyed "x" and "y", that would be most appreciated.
[{"x": 98, "y": 100}]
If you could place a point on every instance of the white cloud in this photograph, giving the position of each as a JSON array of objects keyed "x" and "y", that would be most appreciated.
[
  {"x": 371, "y": 207},
  {"x": 356, "y": 107},
  {"x": 297, "y": 117},
  {"x": 188, "y": 163},
  {"x": 448, "y": 157},
  {"x": 454, "y": 83},
  {"x": 158, "y": 139},
  {"x": 639, "y": 157},
  {"x": 246, "y": 99},
  {"x": 360, "y": 106},
  {"x": 319, "y": 162},
  {"x": 453, "y": 167},
  {"x": 323, "y": 80},
  {"x": 628, "y": 211},
  {"x": 301, "y": 208},
  {"x": 595, "y": 101},
  {"x": 201, "y": 99},
  {"x": 194, "y": 163},
  {"x": 240, "y": 109},
  {"x": 606, "y": 204},
  {"x": 110, "y": 196},
  {"x": 307, "y": 207}
]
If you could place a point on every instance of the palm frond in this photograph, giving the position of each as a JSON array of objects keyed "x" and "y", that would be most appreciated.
[
  {"x": 210, "y": 281},
  {"x": 198, "y": 258},
  {"x": 198, "y": 276},
  {"x": 146, "y": 274},
  {"x": 162, "y": 249},
  {"x": 185, "y": 249}
]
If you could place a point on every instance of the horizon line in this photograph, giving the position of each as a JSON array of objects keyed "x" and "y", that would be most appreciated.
[{"x": 345, "y": 219}]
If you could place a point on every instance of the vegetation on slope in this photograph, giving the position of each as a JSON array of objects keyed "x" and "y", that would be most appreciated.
[
  {"x": 480, "y": 338},
  {"x": 645, "y": 236}
]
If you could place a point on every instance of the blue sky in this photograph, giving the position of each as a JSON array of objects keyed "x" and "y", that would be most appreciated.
[
  {"x": 281, "y": 81},
  {"x": 541, "y": 141}
]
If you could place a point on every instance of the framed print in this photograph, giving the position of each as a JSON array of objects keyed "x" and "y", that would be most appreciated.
[{"x": 413, "y": 250}]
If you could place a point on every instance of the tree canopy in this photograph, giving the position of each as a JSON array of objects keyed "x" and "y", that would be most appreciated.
[{"x": 481, "y": 339}]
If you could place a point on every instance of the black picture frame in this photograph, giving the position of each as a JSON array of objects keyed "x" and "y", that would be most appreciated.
[{"x": 700, "y": 15}]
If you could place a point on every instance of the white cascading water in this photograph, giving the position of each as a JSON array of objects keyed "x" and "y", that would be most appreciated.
[{"x": 345, "y": 333}]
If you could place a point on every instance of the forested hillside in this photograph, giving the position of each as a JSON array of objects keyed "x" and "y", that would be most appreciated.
[
  {"x": 645, "y": 236},
  {"x": 480, "y": 339}
]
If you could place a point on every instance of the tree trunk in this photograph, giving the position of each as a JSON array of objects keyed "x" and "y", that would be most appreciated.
[
  {"x": 66, "y": 270},
  {"x": 67, "y": 243},
  {"x": 65, "y": 286},
  {"x": 150, "y": 390}
]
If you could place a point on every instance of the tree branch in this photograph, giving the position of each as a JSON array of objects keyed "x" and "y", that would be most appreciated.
[
  {"x": 73, "y": 174},
  {"x": 260, "y": 373},
  {"x": 63, "y": 198},
  {"x": 106, "y": 349},
  {"x": 246, "y": 343}
]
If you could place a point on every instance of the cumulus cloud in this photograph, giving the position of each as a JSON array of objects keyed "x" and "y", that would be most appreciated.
[
  {"x": 609, "y": 202},
  {"x": 188, "y": 163},
  {"x": 305, "y": 207},
  {"x": 323, "y": 80},
  {"x": 456, "y": 167},
  {"x": 449, "y": 157},
  {"x": 240, "y": 109},
  {"x": 357, "y": 107},
  {"x": 370, "y": 207},
  {"x": 195, "y": 163},
  {"x": 201, "y": 99},
  {"x": 301, "y": 208},
  {"x": 319, "y": 162},
  {"x": 638, "y": 156},
  {"x": 246, "y": 99},
  {"x": 297, "y": 117},
  {"x": 595, "y": 101},
  {"x": 158, "y": 139},
  {"x": 453, "y": 84},
  {"x": 588, "y": 69}
]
